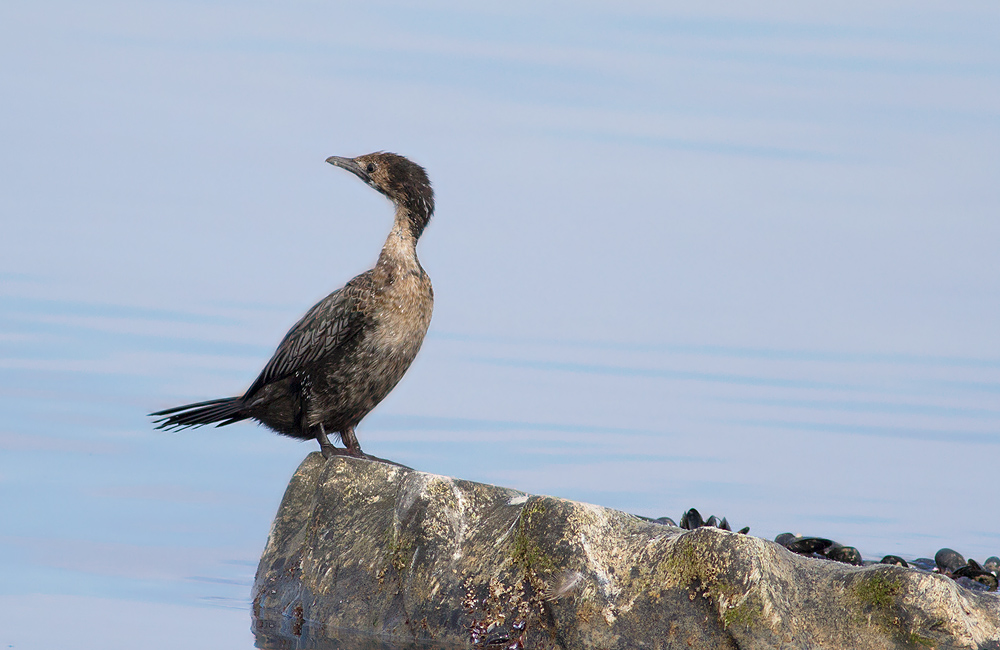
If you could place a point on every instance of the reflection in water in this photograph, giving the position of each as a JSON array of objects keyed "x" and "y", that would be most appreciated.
[{"x": 288, "y": 634}]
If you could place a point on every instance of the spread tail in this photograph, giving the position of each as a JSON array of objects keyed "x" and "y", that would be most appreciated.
[{"x": 221, "y": 411}]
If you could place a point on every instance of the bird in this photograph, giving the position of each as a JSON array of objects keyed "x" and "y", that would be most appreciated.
[{"x": 351, "y": 349}]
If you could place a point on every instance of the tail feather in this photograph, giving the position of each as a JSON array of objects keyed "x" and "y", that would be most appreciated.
[{"x": 216, "y": 411}]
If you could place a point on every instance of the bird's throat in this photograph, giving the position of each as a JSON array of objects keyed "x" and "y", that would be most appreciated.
[{"x": 400, "y": 249}]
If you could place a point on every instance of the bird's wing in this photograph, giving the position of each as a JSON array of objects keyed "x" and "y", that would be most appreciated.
[{"x": 322, "y": 332}]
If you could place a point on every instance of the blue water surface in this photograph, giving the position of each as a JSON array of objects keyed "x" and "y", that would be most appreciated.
[{"x": 738, "y": 259}]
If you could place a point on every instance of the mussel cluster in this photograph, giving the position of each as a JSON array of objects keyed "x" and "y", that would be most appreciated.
[
  {"x": 692, "y": 519},
  {"x": 969, "y": 574},
  {"x": 487, "y": 632},
  {"x": 820, "y": 547},
  {"x": 482, "y": 639}
]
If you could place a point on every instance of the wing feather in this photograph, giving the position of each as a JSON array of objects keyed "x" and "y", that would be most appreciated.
[{"x": 321, "y": 333}]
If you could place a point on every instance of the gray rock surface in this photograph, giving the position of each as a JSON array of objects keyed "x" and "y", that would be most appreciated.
[{"x": 382, "y": 550}]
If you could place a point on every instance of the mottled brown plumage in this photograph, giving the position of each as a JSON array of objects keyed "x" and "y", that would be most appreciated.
[{"x": 345, "y": 355}]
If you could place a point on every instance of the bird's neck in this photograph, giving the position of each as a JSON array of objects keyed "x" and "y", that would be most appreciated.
[{"x": 400, "y": 249}]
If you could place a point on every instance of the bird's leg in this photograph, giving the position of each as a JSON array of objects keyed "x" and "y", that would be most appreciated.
[
  {"x": 351, "y": 442},
  {"x": 353, "y": 448},
  {"x": 348, "y": 438},
  {"x": 325, "y": 446}
]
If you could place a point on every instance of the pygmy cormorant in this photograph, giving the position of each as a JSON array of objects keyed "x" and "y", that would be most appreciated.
[{"x": 345, "y": 355}]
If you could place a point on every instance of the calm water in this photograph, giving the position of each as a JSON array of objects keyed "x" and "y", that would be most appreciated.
[
  {"x": 741, "y": 259},
  {"x": 127, "y": 527}
]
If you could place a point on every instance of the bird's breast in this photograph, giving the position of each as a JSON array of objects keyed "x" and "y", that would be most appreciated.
[{"x": 403, "y": 313}]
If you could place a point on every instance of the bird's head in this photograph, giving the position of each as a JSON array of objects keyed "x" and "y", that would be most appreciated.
[{"x": 404, "y": 182}]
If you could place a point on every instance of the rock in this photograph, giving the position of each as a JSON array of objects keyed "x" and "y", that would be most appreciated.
[{"x": 399, "y": 554}]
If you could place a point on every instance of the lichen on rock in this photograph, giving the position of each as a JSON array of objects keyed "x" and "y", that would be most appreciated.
[{"x": 364, "y": 547}]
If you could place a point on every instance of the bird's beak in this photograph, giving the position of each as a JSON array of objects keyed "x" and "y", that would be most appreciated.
[{"x": 349, "y": 165}]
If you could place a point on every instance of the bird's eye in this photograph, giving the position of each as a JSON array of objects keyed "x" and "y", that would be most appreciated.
[{"x": 370, "y": 168}]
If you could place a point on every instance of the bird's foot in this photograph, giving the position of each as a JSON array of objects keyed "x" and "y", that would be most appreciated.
[
  {"x": 351, "y": 448},
  {"x": 329, "y": 451},
  {"x": 382, "y": 460},
  {"x": 355, "y": 452}
]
